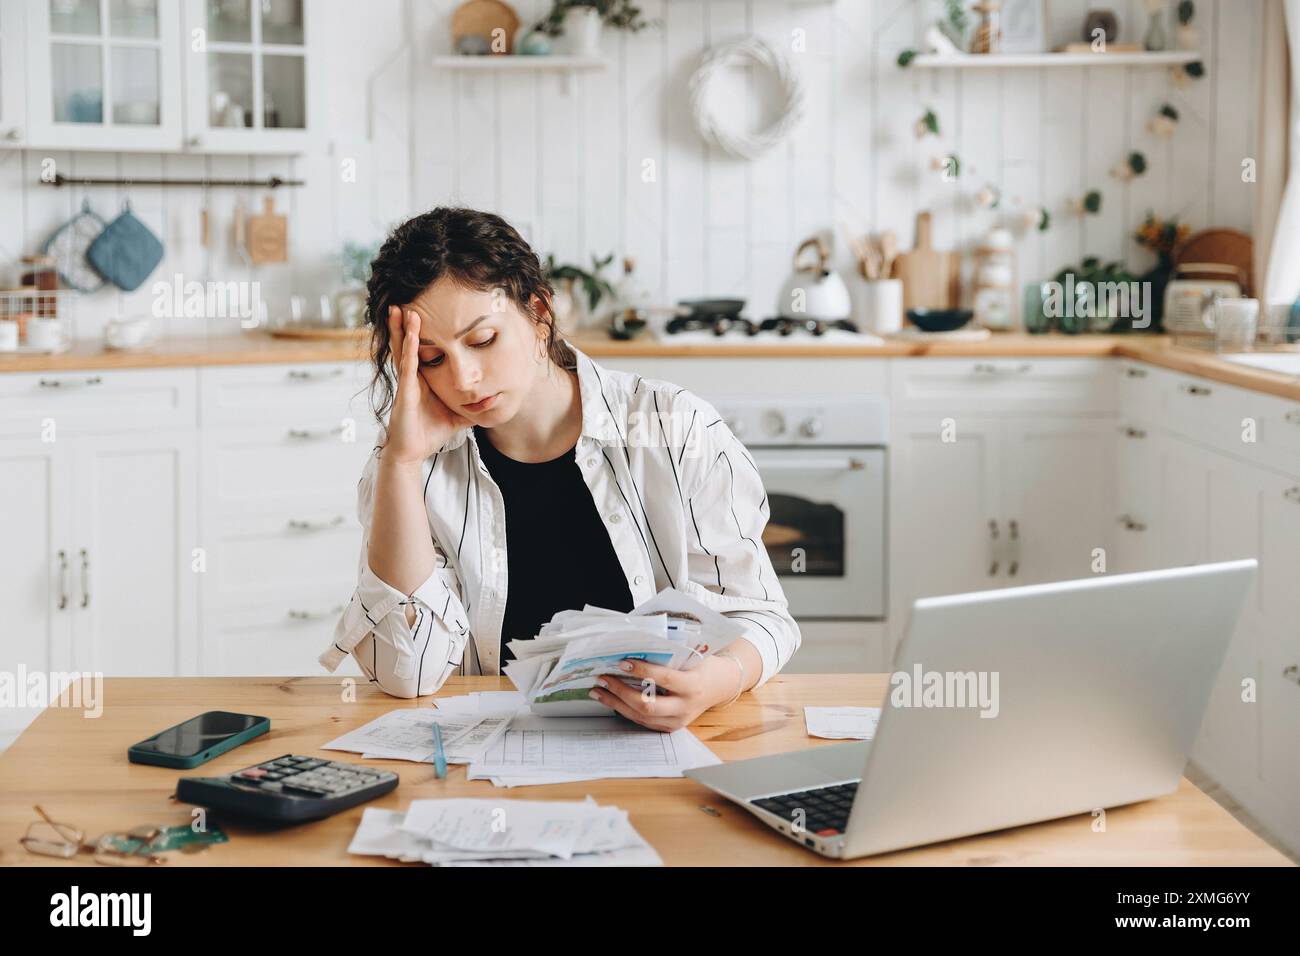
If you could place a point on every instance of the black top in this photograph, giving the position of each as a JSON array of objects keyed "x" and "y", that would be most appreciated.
[{"x": 558, "y": 553}]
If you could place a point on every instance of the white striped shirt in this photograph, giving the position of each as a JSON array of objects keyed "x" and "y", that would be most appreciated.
[{"x": 680, "y": 496}]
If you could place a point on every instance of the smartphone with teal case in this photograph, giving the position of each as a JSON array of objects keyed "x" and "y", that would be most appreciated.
[{"x": 198, "y": 739}]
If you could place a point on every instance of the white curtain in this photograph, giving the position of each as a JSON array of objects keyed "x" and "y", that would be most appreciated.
[{"x": 1282, "y": 277}]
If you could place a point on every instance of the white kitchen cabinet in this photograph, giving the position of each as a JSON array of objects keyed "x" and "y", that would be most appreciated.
[
  {"x": 945, "y": 519},
  {"x": 35, "y": 565},
  {"x": 254, "y": 76},
  {"x": 987, "y": 502},
  {"x": 1212, "y": 494},
  {"x": 96, "y": 401},
  {"x": 13, "y": 71},
  {"x": 277, "y": 637},
  {"x": 950, "y": 387},
  {"x": 104, "y": 74},
  {"x": 95, "y": 557},
  {"x": 282, "y": 447},
  {"x": 1058, "y": 497},
  {"x": 133, "y": 535},
  {"x": 210, "y": 76}
]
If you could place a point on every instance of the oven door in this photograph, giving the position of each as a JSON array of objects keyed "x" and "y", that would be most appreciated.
[{"x": 826, "y": 531}]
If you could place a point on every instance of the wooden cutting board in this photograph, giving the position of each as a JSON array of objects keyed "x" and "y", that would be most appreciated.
[
  {"x": 268, "y": 236},
  {"x": 931, "y": 279},
  {"x": 1227, "y": 247}
]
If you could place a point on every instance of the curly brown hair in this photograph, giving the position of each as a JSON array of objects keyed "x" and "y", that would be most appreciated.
[{"x": 478, "y": 250}]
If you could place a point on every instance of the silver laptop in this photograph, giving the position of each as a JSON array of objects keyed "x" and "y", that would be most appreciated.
[{"x": 1009, "y": 707}]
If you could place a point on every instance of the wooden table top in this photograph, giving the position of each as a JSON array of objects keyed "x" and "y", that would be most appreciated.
[{"x": 76, "y": 769}]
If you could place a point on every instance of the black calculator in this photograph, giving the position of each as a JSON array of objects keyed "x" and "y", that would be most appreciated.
[{"x": 288, "y": 789}]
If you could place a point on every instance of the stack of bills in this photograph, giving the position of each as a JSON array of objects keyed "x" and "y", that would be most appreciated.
[{"x": 556, "y": 670}]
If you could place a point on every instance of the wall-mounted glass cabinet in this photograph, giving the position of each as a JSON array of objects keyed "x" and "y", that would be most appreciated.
[
  {"x": 104, "y": 74},
  {"x": 160, "y": 75},
  {"x": 13, "y": 86},
  {"x": 253, "y": 79}
]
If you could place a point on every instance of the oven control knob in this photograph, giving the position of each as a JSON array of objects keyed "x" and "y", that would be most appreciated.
[
  {"x": 774, "y": 423},
  {"x": 737, "y": 425},
  {"x": 810, "y": 427}
]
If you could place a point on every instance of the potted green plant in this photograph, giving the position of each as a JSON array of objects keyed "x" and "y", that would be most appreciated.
[
  {"x": 580, "y": 22},
  {"x": 578, "y": 291},
  {"x": 350, "y": 301},
  {"x": 1091, "y": 308}
]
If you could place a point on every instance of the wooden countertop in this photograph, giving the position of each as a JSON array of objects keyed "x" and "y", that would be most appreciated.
[
  {"x": 77, "y": 770},
  {"x": 258, "y": 347}
]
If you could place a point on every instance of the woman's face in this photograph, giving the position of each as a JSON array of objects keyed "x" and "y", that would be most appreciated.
[{"x": 478, "y": 351}]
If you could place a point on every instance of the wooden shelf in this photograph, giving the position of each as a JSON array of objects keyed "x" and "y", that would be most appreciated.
[
  {"x": 552, "y": 62},
  {"x": 971, "y": 61}
]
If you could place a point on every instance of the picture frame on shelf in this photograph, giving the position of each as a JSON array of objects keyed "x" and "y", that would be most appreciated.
[{"x": 1024, "y": 26}]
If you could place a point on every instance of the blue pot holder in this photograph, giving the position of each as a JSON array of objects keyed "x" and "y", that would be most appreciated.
[{"x": 126, "y": 252}]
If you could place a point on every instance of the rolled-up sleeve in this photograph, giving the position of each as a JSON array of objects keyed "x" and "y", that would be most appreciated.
[
  {"x": 403, "y": 659},
  {"x": 730, "y": 570}
]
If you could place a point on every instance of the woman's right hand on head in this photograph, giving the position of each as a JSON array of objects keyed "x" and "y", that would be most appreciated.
[{"x": 420, "y": 422}]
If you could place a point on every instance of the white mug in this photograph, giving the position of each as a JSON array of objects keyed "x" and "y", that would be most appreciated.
[{"x": 43, "y": 333}]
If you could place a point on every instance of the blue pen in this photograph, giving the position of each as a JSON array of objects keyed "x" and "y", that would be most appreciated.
[{"x": 439, "y": 755}]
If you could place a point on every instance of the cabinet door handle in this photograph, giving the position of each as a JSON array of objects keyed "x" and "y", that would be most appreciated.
[
  {"x": 298, "y": 375},
  {"x": 85, "y": 578},
  {"x": 1130, "y": 432},
  {"x": 993, "y": 547},
  {"x": 1293, "y": 416},
  {"x": 71, "y": 382},
  {"x": 63, "y": 579},
  {"x": 1292, "y": 672},
  {"x": 1194, "y": 389},
  {"x": 1131, "y": 524},
  {"x": 316, "y": 435},
  {"x": 1292, "y": 494},
  {"x": 298, "y": 615},
  {"x": 299, "y": 525},
  {"x": 1013, "y": 535},
  {"x": 1135, "y": 372},
  {"x": 988, "y": 368}
]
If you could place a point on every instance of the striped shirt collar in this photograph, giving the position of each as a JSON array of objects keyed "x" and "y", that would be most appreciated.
[{"x": 597, "y": 405}]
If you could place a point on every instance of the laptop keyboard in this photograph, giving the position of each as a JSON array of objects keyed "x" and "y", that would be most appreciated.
[{"x": 826, "y": 808}]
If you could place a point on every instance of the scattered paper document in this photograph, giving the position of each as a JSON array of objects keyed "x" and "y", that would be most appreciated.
[
  {"x": 842, "y": 723},
  {"x": 465, "y": 832},
  {"x": 407, "y": 734},
  {"x": 535, "y": 750}
]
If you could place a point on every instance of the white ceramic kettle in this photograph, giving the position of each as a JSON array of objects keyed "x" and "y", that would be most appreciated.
[{"x": 814, "y": 291}]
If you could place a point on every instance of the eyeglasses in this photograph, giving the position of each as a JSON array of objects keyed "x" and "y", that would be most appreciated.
[{"x": 49, "y": 838}]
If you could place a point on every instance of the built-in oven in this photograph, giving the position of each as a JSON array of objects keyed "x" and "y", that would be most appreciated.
[{"x": 823, "y": 463}]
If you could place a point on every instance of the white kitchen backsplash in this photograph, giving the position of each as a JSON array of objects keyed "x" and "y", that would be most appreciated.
[{"x": 615, "y": 164}]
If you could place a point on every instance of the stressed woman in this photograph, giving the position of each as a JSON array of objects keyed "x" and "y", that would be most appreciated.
[{"x": 515, "y": 478}]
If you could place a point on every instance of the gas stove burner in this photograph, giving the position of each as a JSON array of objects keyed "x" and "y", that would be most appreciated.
[
  {"x": 718, "y": 324},
  {"x": 784, "y": 326}
]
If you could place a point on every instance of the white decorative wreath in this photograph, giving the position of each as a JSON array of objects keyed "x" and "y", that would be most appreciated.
[{"x": 747, "y": 145}]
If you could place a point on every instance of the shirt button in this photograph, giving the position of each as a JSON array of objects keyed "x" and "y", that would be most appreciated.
[
  {"x": 591, "y": 462},
  {"x": 615, "y": 518},
  {"x": 638, "y": 580}
]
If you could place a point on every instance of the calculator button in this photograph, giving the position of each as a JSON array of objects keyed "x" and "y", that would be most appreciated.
[
  {"x": 311, "y": 763},
  {"x": 273, "y": 785},
  {"x": 252, "y": 773}
]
